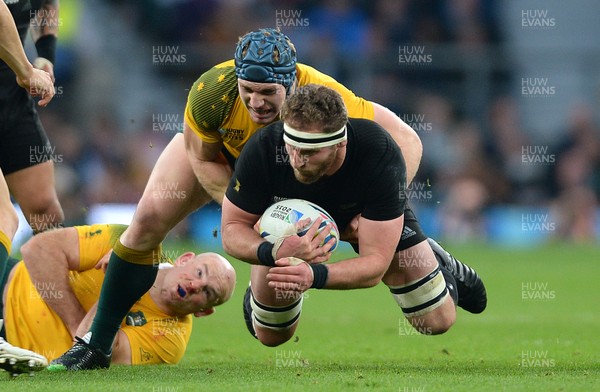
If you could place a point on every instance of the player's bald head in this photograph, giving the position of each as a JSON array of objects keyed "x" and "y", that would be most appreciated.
[{"x": 223, "y": 272}]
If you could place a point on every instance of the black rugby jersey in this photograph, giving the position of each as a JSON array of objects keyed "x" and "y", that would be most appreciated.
[{"x": 371, "y": 181}]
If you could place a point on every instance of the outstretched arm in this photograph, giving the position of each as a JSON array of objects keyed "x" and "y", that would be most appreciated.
[
  {"x": 49, "y": 257},
  {"x": 406, "y": 138}
]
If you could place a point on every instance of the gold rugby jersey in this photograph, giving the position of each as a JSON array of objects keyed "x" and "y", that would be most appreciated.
[
  {"x": 154, "y": 336},
  {"x": 214, "y": 110}
]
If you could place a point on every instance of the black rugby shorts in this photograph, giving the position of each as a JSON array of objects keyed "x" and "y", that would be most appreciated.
[
  {"x": 412, "y": 234},
  {"x": 23, "y": 141}
]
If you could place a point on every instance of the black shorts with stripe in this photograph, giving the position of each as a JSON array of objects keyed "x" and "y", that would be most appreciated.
[{"x": 412, "y": 234}]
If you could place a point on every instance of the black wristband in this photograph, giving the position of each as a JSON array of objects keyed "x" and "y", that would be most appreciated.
[
  {"x": 264, "y": 253},
  {"x": 320, "y": 273},
  {"x": 46, "y": 47}
]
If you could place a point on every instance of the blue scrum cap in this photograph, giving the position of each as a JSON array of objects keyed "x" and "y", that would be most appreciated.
[{"x": 266, "y": 56}]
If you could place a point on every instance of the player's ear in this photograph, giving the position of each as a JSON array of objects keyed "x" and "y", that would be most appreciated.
[
  {"x": 206, "y": 312},
  {"x": 342, "y": 144},
  {"x": 184, "y": 258}
]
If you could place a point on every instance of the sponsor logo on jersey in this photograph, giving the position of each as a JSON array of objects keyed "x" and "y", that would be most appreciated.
[
  {"x": 407, "y": 232},
  {"x": 229, "y": 134},
  {"x": 135, "y": 319}
]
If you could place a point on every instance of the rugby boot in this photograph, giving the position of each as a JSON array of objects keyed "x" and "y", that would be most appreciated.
[
  {"x": 81, "y": 356},
  {"x": 472, "y": 296},
  {"x": 16, "y": 360}
]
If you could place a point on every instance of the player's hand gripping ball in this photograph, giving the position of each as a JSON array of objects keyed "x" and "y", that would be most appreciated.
[{"x": 280, "y": 219}]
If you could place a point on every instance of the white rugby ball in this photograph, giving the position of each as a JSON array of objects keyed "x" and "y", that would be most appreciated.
[{"x": 279, "y": 220}]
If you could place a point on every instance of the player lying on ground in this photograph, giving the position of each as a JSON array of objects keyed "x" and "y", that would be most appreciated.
[
  {"x": 51, "y": 296},
  {"x": 226, "y": 106},
  {"x": 350, "y": 168}
]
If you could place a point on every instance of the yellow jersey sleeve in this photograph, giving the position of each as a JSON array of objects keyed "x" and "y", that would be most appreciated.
[
  {"x": 210, "y": 101},
  {"x": 95, "y": 241},
  {"x": 357, "y": 107},
  {"x": 154, "y": 336}
]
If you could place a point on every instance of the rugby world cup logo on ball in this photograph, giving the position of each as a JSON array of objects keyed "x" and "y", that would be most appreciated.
[{"x": 280, "y": 219}]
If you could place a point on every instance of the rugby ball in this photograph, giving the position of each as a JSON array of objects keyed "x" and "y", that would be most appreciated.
[{"x": 279, "y": 220}]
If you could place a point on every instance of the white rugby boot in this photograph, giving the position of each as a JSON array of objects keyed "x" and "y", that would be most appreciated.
[{"x": 16, "y": 360}]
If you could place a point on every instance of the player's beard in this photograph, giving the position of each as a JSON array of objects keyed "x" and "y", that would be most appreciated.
[{"x": 317, "y": 172}]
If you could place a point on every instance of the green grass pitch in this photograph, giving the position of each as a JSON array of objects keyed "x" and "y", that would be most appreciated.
[{"x": 539, "y": 333}]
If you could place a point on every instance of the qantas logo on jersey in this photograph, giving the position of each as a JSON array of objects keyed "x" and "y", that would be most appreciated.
[{"x": 135, "y": 319}]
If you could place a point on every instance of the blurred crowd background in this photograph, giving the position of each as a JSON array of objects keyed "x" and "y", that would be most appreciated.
[{"x": 504, "y": 96}]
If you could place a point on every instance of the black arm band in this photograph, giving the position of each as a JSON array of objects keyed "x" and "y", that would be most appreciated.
[
  {"x": 46, "y": 47},
  {"x": 320, "y": 272},
  {"x": 264, "y": 253}
]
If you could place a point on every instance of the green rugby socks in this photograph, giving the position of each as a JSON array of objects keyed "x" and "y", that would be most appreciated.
[{"x": 124, "y": 284}]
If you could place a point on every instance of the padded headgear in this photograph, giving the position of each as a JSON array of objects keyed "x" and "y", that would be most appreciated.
[{"x": 266, "y": 56}]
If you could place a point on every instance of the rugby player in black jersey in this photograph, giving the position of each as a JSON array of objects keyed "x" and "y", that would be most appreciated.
[{"x": 350, "y": 167}]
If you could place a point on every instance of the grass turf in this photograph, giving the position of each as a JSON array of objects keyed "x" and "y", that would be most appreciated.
[{"x": 538, "y": 333}]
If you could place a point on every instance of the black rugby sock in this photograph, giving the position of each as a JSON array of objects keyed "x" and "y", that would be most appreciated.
[
  {"x": 123, "y": 285},
  {"x": 450, "y": 284}
]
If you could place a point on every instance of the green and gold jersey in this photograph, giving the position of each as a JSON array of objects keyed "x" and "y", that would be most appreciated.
[
  {"x": 215, "y": 112},
  {"x": 154, "y": 336}
]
